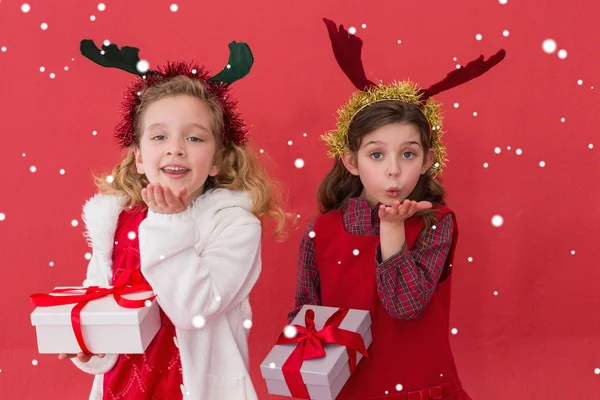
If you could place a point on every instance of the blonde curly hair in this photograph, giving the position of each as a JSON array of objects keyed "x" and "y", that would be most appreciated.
[{"x": 238, "y": 166}]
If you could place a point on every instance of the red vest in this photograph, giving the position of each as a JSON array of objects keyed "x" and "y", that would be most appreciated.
[
  {"x": 413, "y": 353},
  {"x": 156, "y": 374}
]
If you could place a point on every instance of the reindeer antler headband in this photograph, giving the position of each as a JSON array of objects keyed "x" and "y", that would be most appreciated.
[
  {"x": 126, "y": 58},
  {"x": 347, "y": 50}
]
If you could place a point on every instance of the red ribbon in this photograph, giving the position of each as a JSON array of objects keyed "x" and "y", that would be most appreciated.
[
  {"x": 310, "y": 345},
  {"x": 91, "y": 293}
]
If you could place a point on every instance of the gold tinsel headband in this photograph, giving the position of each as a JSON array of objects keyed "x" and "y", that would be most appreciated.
[
  {"x": 347, "y": 49},
  {"x": 406, "y": 92}
]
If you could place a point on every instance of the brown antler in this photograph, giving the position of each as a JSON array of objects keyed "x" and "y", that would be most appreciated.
[{"x": 347, "y": 50}]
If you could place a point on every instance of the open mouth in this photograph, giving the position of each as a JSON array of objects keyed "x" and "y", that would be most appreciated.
[{"x": 174, "y": 170}]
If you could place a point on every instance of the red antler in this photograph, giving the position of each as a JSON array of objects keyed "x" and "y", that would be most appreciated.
[
  {"x": 347, "y": 50},
  {"x": 462, "y": 75}
]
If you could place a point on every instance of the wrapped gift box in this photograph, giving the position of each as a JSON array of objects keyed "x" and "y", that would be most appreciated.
[
  {"x": 323, "y": 377},
  {"x": 107, "y": 327}
]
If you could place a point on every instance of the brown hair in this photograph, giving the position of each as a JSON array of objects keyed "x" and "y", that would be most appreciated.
[
  {"x": 238, "y": 166},
  {"x": 339, "y": 185}
]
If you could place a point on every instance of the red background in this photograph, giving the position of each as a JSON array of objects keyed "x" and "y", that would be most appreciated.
[{"x": 536, "y": 339}]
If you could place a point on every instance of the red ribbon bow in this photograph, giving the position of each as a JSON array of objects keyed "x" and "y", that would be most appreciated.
[
  {"x": 310, "y": 345},
  {"x": 91, "y": 293}
]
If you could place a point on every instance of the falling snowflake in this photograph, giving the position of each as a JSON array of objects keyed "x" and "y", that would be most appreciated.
[
  {"x": 497, "y": 150},
  {"x": 497, "y": 220},
  {"x": 549, "y": 46},
  {"x": 478, "y": 36},
  {"x": 562, "y": 54},
  {"x": 174, "y": 7},
  {"x": 519, "y": 152},
  {"x": 247, "y": 324},
  {"x": 505, "y": 33},
  {"x": 33, "y": 168},
  {"x": 25, "y": 8},
  {"x": 299, "y": 163},
  {"x": 355, "y": 252},
  {"x": 142, "y": 66},
  {"x": 74, "y": 222},
  {"x": 289, "y": 142},
  {"x": 62, "y": 172},
  {"x": 131, "y": 235},
  {"x": 398, "y": 387},
  {"x": 290, "y": 331},
  {"x": 311, "y": 234},
  {"x": 198, "y": 321},
  {"x": 51, "y": 263},
  {"x": 44, "y": 26},
  {"x": 542, "y": 164},
  {"x": 272, "y": 365},
  {"x": 101, "y": 7},
  {"x": 352, "y": 30},
  {"x": 2, "y": 216},
  {"x": 470, "y": 259},
  {"x": 454, "y": 331}
]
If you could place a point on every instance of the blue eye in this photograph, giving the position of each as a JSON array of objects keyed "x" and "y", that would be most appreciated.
[
  {"x": 410, "y": 154},
  {"x": 159, "y": 137},
  {"x": 377, "y": 155},
  {"x": 195, "y": 139}
]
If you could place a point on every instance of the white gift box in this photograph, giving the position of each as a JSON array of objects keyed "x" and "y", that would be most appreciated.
[
  {"x": 323, "y": 377},
  {"x": 107, "y": 328}
]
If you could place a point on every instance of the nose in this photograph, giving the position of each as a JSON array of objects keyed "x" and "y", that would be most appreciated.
[
  {"x": 393, "y": 169},
  {"x": 176, "y": 147}
]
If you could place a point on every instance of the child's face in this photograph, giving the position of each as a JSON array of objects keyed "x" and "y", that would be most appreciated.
[
  {"x": 389, "y": 162},
  {"x": 177, "y": 148}
]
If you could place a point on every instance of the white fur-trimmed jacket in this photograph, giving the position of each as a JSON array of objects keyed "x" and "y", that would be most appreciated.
[{"x": 203, "y": 261}]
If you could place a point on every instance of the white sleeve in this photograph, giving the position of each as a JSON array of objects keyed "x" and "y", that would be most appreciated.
[
  {"x": 94, "y": 277},
  {"x": 200, "y": 277}
]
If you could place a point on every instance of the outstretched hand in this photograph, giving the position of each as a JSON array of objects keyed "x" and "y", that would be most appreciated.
[
  {"x": 162, "y": 199},
  {"x": 398, "y": 213}
]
